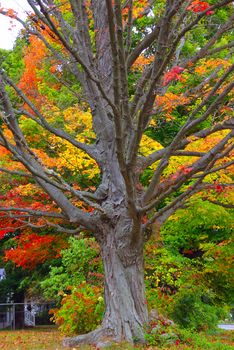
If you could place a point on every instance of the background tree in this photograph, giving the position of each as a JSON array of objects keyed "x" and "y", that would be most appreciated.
[
  {"x": 99, "y": 45},
  {"x": 189, "y": 269}
]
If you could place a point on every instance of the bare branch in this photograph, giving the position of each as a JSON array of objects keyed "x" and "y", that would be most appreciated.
[
  {"x": 221, "y": 48},
  {"x": 224, "y": 205},
  {"x": 115, "y": 56},
  {"x": 204, "y": 51},
  {"x": 18, "y": 173},
  {"x": 34, "y": 213},
  {"x": 129, "y": 26},
  {"x": 215, "y": 170},
  {"x": 174, "y": 205},
  {"x": 122, "y": 67},
  {"x": 47, "y": 224}
]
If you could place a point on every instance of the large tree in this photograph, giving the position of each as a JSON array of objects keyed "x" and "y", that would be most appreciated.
[{"x": 99, "y": 44}]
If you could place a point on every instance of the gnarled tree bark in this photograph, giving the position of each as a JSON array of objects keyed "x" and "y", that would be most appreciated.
[{"x": 126, "y": 314}]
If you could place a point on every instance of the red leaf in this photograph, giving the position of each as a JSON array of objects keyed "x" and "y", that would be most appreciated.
[
  {"x": 200, "y": 6},
  {"x": 173, "y": 74},
  {"x": 4, "y": 232}
]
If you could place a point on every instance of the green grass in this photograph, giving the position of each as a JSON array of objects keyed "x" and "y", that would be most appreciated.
[{"x": 48, "y": 338}]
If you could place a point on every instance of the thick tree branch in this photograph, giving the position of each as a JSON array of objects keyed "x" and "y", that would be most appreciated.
[
  {"x": 216, "y": 169},
  {"x": 47, "y": 224},
  {"x": 224, "y": 205},
  {"x": 35, "y": 213}
]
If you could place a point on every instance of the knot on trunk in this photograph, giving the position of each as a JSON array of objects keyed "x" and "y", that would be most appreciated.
[{"x": 128, "y": 256}]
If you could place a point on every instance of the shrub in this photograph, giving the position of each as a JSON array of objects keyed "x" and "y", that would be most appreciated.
[
  {"x": 81, "y": 311},
  {"x": 162, "y": 332},
  {"x": 193, "y": 308},
  {"x": 80, "y": 262}
]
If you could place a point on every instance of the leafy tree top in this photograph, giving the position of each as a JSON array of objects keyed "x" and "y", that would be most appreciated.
[{"x": 98, "y": 46}]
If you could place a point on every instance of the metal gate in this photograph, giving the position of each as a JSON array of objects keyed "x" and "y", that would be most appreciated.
[{"x": 20, "y": 315}]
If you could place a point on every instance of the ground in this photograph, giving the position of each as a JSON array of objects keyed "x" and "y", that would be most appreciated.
[{"x": 44, "y": 338}]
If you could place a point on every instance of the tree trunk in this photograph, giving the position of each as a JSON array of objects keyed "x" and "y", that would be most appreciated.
[
  {"x": 126, "y": 314},
  {"x": 126, "y": 310}
]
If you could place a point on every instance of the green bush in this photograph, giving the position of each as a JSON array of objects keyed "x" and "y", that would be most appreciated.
[
  {"x": 189, "y": 266},
  {"x": 192, "y": 308},
  {"x": 80, "y": 262},
  {"x": 76, "y": 286}
]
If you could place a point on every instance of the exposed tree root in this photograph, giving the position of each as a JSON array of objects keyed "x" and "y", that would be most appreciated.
[{"x": 99, "y": 336}]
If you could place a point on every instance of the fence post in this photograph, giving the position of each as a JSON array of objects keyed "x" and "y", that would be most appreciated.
[{"x": 14, "y": 317}]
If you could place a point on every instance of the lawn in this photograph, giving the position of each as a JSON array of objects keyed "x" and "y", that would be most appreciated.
[
  {"x": 41, "y": 338},
  {"x": 44, "y": 338}
]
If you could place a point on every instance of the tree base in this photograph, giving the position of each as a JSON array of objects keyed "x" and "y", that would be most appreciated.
[{"x": 99, "y": 337}]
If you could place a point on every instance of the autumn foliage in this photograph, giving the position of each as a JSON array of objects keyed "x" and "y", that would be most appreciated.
[
  {"x": 200, "y": 6},
  {"x": 33, "y": 58},
  {"x": 32, "y": 249}
]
